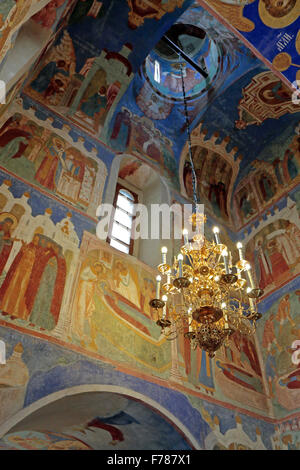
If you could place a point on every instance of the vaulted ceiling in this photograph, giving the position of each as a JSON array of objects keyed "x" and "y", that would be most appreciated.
[{"x": 243, "y": 111}]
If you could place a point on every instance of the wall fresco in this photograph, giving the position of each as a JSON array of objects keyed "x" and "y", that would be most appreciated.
[
  {"x": 117, "y": 425},
  {"x": 52, "y": 281},
  {"x": 272, "y": 176},
  {"x": 45, "y": 159},
  {"x": 138, "y": 136},
  {"x": 278, "y": 334}
]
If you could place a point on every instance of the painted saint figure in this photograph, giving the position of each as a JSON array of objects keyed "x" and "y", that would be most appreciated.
[
  {"x": 283, "y": 313},
  {"x": 43, "y": 80},
  {"x": 6, "y": 241},
  {"x": 85, "y": 301},
  {"x": 121, "y": 133},
  {"x": 55, "y": 156},
  {"x": 13, "y": 289},
  {"x": 14, "y": 140},
  {"x": 45, "y": 290}
]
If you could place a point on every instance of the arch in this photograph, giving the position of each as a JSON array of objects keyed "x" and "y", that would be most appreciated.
[
  {"x": 172, "y": 419},
  {"x": 114, "y": 174}
]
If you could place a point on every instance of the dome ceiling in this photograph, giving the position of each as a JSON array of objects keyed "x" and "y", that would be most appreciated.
[{"x": 123, "y": 89}]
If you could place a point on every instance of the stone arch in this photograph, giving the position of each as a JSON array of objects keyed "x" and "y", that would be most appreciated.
[{"x": 53, "y": 397}]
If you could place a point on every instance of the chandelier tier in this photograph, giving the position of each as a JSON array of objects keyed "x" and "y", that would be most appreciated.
[{"x": 203, "y": 295}]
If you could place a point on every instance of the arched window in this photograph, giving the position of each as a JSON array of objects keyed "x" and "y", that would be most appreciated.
[{"x": 122, "y": 224}]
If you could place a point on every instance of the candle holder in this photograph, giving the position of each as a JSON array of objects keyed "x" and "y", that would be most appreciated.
[
  {"x": 168, "y": 288},
  {"x": 255, "y": 293},
  {"x": 164, "y": 268},
  {"x": 229, "y": 278},
  {"x": 181, "y": 282},
  {"x": 156, "y": 303},
  {"x": 163, "y": 323}
]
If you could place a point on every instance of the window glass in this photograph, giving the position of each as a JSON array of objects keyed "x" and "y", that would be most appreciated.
[{"x": 119, "y": 246}]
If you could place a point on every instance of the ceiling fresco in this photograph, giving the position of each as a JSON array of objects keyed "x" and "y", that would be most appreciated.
[
  {"x": 102, "y": 80},
  {"x": 270, "y": 27}
]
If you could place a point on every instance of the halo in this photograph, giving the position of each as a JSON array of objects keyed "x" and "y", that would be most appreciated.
[
  {"x": 60, "y": 141},
  {"x": 282, "y": 61},
  {"x": 280, "y": 22},
  {"x": 8, "y": 215}
]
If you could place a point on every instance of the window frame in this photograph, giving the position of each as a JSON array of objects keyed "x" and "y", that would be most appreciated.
[{"x": 119, "y": 187}]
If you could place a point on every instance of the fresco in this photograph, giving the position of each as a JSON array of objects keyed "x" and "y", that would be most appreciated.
[
  {"x": 81, "y": 76},
  {"x": 117, "y": 421},
  {"x": 287, "y": 435},
  {"x": 52, "y": 281},
  {"x": 111, "y": 307},
  {"x": 90, "y": 92},
  {"x": 279, "y": 334},
  {"x": 264, "y": 98},
  {"x": 15, "y": 13},
  {"x": 234, "y": 438},
  {"x": 270, "y": 177},
  {"x": 14, "y": 376},
  {"x": 215, "y": 168},
  {"x": 12, "y": 15},
  {"x": 238, "y": 371},
  {"x": 55, "y": 11},
  {"x": 154, "y": 9},
  {"x": 32, "y": 440},
  {"x": 272, "y": 247},
  {"x": 120, "y": 424},
  {"x": 48, "y": 161},
  {"x": 138, "y": 136},
  {"x": 270, "y": 27}
]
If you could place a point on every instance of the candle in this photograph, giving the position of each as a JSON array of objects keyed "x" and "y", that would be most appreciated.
[
  {"x": 248, "y": 269},
  {"x": 252, "y": 304},
  {"x": 180, "y": 259},
  {"x": 185, "y": 235},
  {"x": 225, "y": 254},
  {"x": 164, "y": 251},
  {"x": 190, "y": 319},
  {"x": 230, "y": 259},
  {"x": 223, "y": 306},
  {"x": 216, "y": 231},
  {"x": 239, "y": 247},
  {"x": 164, "y": 313},
  {"x": 158, "y": 279}
]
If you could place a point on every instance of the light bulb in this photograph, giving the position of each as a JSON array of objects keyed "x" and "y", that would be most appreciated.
[
  {"x": 248, "y": 266},
  {"x": 185, "y": 231},
  {"x": 248, "y": 290},
  {"x": 164, "y": 249},
  {"x": 223, "y": 305},
  {"x": 239, "y": 245},
  {"x": 180, "y": 257},
  {"x": 216, "y": 230},
  {"x": 164, "y": 298},
  {"x": 158, "y": 278}
]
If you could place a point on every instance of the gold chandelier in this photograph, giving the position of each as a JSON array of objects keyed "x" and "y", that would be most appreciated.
[{"x": 203, "y": 295}]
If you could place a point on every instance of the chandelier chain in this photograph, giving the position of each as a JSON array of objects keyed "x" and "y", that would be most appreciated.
[{"x": 194, "y": 176}]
